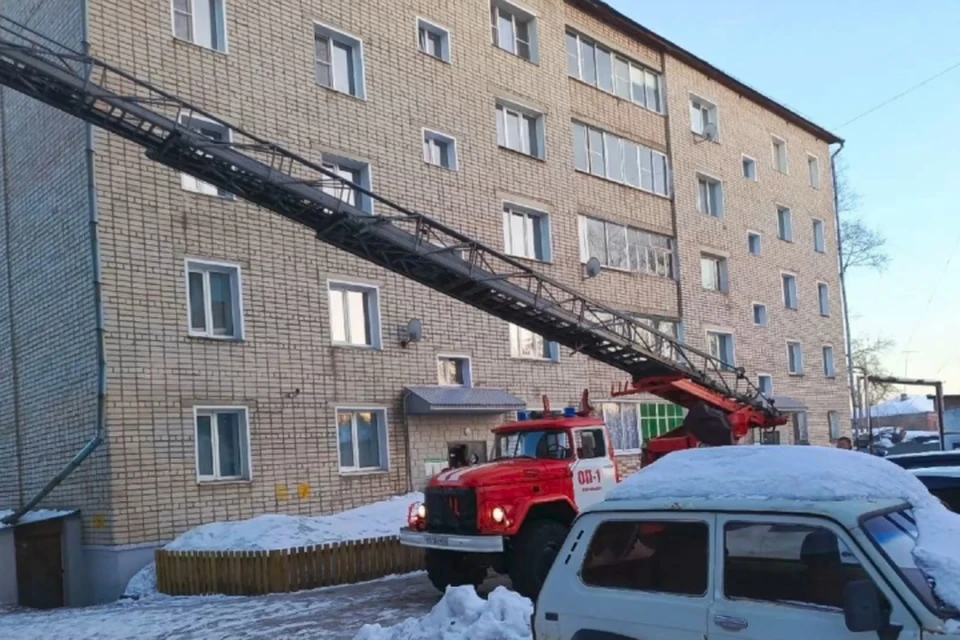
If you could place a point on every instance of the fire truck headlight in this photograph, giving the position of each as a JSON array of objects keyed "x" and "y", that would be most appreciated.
[
  {"x": 422, "y": 511},
  {"x": 498, "y": 515}
]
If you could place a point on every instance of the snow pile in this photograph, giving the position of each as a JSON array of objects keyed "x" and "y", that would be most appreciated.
[
  {"x": 811, "y": 474},
  {"x": 274, "y": 532},
  {"x": 143, "y": 584},
  {"x": 37, "y": 515},
  {"x": 463, "y": 615},
  {"x": 904, "y": 405}
]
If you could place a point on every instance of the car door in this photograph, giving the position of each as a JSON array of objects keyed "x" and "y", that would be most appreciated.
[
  {"x": 633, "y": 575},
  {"x": 593, "y": 472},
  {"x": 783, "y": 576}
]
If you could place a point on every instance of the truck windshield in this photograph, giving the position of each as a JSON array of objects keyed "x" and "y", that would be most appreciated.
[
  {"x": 549, "y": 445},
  {"x": 896, "y": 534}
]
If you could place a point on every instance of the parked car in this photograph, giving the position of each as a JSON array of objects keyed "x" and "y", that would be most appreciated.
[
  {"x": 943, "y": 482},
  {"x": 926, "y": 459},
  {"x": 755, "y": 543}
]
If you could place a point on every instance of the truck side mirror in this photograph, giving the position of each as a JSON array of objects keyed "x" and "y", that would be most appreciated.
[{"x": 862, "y": 607}]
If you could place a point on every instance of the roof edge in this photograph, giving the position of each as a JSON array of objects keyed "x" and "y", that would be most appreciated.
[{"x": 611, "y": 16}]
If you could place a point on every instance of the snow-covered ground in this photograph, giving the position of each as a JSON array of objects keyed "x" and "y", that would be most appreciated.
[{"x": 335, "y": 613}]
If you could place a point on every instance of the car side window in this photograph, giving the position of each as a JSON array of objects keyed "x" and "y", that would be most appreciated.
[
  {"x": 590, "y": 444},
  {"x": 664, "y": 557},
  {"x": 791, "y": 564}
]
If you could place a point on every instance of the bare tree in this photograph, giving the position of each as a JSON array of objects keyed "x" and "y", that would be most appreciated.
[
  {"x": 867, "y": 355},
  {"x": 862, "y": 246}
]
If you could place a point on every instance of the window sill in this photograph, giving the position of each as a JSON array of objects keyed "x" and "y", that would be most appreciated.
[
  {"x": 355, "y": 347},
  {"x": 359, "y": 473},
  {"x": 203, "y": 337},
  {"x": 784, "y": 240},
  {"x": 219, "y": 483},
  {"x": 530, "y": 359},
  {"x": 441, "y": 167},
  {"x": 716, "y": 291},
  {"x": 795, "y": 375},
  {"x": 433, "y": 57},
  {"x": 529, "y": 156},
  {"x": 535, "y": 63},
  {"x": 202, "y": 47},
  {"x": 623, "y": 184},
  {"x": 340, "y": 93},
  {"x": 528, "y": 259},
  {"x": 614, "y": 95}
]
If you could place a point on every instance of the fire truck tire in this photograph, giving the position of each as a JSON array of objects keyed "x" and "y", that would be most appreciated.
[
  {"x": 533, "y": 554},
  {"x": 450, "y": 568}
]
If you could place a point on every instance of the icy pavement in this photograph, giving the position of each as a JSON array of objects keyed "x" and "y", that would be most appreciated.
[{"x": 335, "y": 613}]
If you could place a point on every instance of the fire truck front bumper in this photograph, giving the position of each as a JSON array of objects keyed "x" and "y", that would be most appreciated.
[{"x": 451, "y": 542}]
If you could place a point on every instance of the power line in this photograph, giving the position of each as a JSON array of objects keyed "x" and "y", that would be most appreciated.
[
  {"x": 900, "y": 95},
  {"x": 936, "y": 288}
]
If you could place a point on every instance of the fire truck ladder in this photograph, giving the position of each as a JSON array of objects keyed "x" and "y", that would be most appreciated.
[{"x": 401, "y": 240}]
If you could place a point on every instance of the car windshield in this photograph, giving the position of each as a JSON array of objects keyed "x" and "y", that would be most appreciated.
[
  {"x": 896, "y": 534},
  {"x": 550, "y": 445}
]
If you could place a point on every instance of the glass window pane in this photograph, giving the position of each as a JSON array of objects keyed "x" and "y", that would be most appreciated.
[
  {"x": 221, "y": 303},
  {"x": 198, "y": 314},
  {"x": 338, "y": 316},
  {"x": 597, "y": 162},
  {"x": 181, "y": 5},
  {"x": 614, "y": 157},
  {"x": 501, "y": 127},
  {"x": 604, "y": 70},
  {"x": 573, "y": 56},
  {"x": 659, "y": 173},
  {"x": 322, "y": 49},
  {"x": 517, "y": 234},
  {"x": 622, "y": 78},
  {"x": 589, "y": 62},
  {"x": 513, "y": 130},
  {"x": 183, "y": 26},
  {"x": 368, "y": 439},
  {"x": 638, "y": 250},
  {"x": 204, "y": 446},
  {"x": 639, "y": 85},
  {"x": 228, "y": 436},
  {"x": 581, "y": 155},
  {"x": 343, "y": 68},
  {"x": 597, "y": 240},
  {"x": 708, "y": 273},
  {"x": 631, "y": 164},
  {"x": 532, "y": 145},
  {"x": 357, "y": 315},
  {"x": 646, "y": 169},
  {"x": 617, "y": 246},
  {"x": 653, "y": 91},
  {"x": 505, "y": 34},
  {"x": 345, "y": 439}
]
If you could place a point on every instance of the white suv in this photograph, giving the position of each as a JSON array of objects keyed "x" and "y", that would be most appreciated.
[{"x": 754, "y": 556}]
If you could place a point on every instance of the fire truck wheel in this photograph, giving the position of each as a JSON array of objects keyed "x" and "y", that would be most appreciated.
[
  {"x": 450, "y": 568},
  {"x": 533, "y": 554}
]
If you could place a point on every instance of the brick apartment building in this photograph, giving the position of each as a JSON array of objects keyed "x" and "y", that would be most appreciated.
[{"x": 251, "y": 369}]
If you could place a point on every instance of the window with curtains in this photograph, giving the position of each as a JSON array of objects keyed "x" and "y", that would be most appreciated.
[
  {"x": 362, "y": 439},
  {"x": 222, "y": 439},
  {"x": 213, "y": 300}
]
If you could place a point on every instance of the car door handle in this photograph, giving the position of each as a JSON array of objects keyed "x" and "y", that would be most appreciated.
[{"x": 730, "y": 623}]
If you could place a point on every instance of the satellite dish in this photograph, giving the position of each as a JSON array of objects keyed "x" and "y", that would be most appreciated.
[
  {"x": 415, "y": 330},
  {"x": 593, "y": 267},
  {"x": 710, "y": 131}
]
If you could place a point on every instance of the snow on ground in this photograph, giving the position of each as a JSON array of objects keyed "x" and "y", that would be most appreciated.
[
  {"x": 143, "y": 584},
  {"x": 271, "y": 532},
  {"x": 463, "y": 615},
  {"x": 812, "y": 474},
  {"x": 33, "y": 516}
]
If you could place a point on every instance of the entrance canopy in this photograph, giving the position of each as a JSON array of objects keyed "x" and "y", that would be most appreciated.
[{"x": 423, "y": 401}]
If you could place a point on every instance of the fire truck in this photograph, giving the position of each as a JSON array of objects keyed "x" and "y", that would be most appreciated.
[{"x": 521, "y": 504}]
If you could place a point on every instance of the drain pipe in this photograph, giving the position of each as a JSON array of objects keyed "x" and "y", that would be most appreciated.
[
  {"x": 843, "y": 284},
  {"x": 94, "y": 225}
]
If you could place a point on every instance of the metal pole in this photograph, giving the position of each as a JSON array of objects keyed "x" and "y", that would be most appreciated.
[
  {"x": 939, "y": 387},
  {"x": 866, "y": 403}
]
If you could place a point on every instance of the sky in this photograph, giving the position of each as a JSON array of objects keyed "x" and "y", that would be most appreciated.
[{"x": 832, "y": 60}]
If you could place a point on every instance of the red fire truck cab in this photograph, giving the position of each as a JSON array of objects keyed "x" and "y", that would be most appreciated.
[{"x": 512, "y": 514}]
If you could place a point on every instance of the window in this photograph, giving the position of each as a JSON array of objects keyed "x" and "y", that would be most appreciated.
[
  {"x": 662, "y": 557},
  {"x": 794, "y": 358},
  {"x": 801, "y": 428},
  {"x": 620, "y": 247},
  {"x": 454, "y": 371},
  {"x": 785, "y": 224},
  {"x": 362, "y": 439},
  {"x": 214, "y": 131},
  {"x": 613, "y": 73},
  {"x": 760, "y": 315},
  {"x": 591, "y": 443},
  {"x": 823, "y": 296},
  {"x": 703, "y": 114},
  {"x": 713, "y": 273},
  {"x": 829, "y": 365},
  {"x": 819, "y": 241},
  {"x": 833, "y": 421},
  {"x": 520, "y": 130},
  {"x": 223, "y": 451},
  {"x": 787, "y": 563},
  {"x": 439, "y": 150},
  {"x": 749, "y": 168},
  {"x": 709, "y": 196},
  {"x": 754, "y": 243},
  {"x": 354, "y": 315},
  {"x": 813, "y": 167},
  {"x": 789, "y": 291},
  {"x": 339, "y": 61},
  {"x": 433, "y": 40},
  {"x": 526, "y": 233},
  {"x": 720, "y": 346},
  {"x": 514, "y": 30},
  {"x": 214, "y": 300},
  {"x": 201, "y": 22},
  {"x": 531, "y": 346},
  {"x": 658, "y": 418},
  {"x": 351, "y": 173},
  {"x": 621, "y": 419},
  {"x": 608, "y": 156},
  {"x": 779, "y": 154},
  {"x": 765, "y": 384},
  {"x": 641, "y": 329}
]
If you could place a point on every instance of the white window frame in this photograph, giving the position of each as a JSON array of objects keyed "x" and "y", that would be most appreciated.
[
  {"x": 333, "y": 34},
  {"x": 776, "y": 140},
  {"x": 759, "y": 236},
  {"x": 525, "y": 15},
  {"x": 430, "y": 137},
  {"x": 753, "y": 162},
  {"x": 723, "y": 284},
  {"x": 221, "y": 25},
  {"x": 796, "y": 289},
  {"x": 552, "y": 348},
  {"x": 788, "y": 234},
  {"x": 195, "y": 185},
  {"x": 583, "y": 222},
  {"x": 510, "y": 209},
  {"x": 634, "y": 70},
  {"x": 384, "y": 440},
  {"x": 813, "y": 161},
  {"x": 246, "y": 462},
  {"x": 606, "y": 136},
  {"x": 702, "y": 105},
  {"x": 766, "y": 315},
  {"x": 524, "y": 113},
  {"x": 704, "y": 208},
  {"x": 799, "y": 371},
  {"x": 833, "y": 416},
  {"x": 761, "y": 374},
  {"x": 467, "y": 370},
  {"x": 824, "y": 310},
  {"x": 205, "y": 266},
  {"x": 431, "y": 27},
  {"x": 819, "y": 223},
  {"x": 831, "y": 371},
  {"x": 376, "y": 321},
  {"x": 339, "y": 165},
  {"x": 722, "y": 333}
]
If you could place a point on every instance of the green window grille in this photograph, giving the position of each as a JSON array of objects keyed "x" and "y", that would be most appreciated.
[{"x": 657, "y": 419}]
